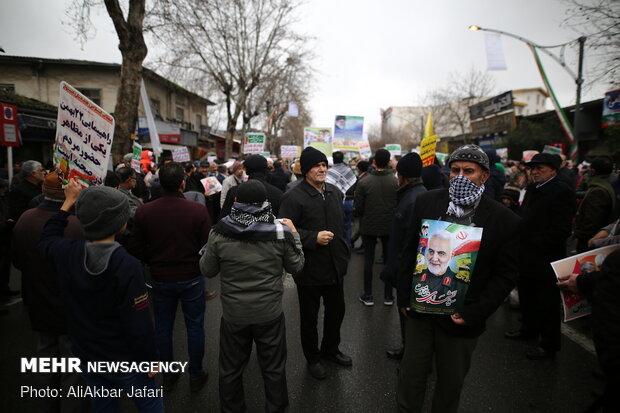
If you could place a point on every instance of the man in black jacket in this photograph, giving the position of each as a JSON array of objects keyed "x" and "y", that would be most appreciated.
[
  {"x": 315, "y": 207},
  {"x": 375, "y": 201},
  {"x": 256, "y": 168},
  {"x": 451, "y": 339},
  {"x": 547, "y": 211}
]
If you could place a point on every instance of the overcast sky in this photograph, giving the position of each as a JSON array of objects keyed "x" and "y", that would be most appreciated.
[{"x": 371, "y": 54}]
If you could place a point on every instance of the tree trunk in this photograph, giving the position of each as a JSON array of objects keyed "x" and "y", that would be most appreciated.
[{"x": 133, "y": 50}]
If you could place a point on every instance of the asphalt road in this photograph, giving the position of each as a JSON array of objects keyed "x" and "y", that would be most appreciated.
[{"x": 501, "y": 378}]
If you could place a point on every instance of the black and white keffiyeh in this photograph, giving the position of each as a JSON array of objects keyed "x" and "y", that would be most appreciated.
[
  {"x": 252, "y": 223},
  {"x": 342, "y": 176},
  {"x": 463, "y": 193},
  {"x": 247, "y": 214}
]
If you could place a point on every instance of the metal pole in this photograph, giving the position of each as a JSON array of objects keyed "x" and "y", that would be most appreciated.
[
  {"x": 579, "y": 82},
  {"x": 9, "y": 163}
]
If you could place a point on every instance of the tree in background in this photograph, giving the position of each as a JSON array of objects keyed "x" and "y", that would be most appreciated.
[
  {"x": 267, "y": 106},
  {"x": 599, "y": 20},
  {"x": 231, "y": 46},
  {"x": 450, "y": 103},
  {"x": 129, "y": 28}
]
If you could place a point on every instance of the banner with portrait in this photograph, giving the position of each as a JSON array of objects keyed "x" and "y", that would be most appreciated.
[
  {"x": 348, "y": 132},
  {"x": 445, "y": 262},
  {"x": 574, "y": 305},
  {"x": 319, "y": 138}
]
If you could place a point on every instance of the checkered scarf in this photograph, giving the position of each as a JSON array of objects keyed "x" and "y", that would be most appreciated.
[
  {"x": 253, "y": 223},
  {"x": 463, "y": 193},
  {"x": 342, "y": 176}
]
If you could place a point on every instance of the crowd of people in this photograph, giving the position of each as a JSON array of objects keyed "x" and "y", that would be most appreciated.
[{"x": 104, "y": 268}]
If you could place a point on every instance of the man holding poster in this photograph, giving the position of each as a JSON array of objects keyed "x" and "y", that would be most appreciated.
[{"x": 449, "y": 333}]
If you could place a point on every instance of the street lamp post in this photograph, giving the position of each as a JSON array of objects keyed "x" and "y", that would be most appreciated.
[{"x": 578, "y": 78}]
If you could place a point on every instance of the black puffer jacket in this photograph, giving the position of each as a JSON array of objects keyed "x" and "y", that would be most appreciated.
[{"x": 312, "y": 212}]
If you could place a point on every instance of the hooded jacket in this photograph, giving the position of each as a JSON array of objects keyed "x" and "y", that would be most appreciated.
[{"x": 104, "y": 291}]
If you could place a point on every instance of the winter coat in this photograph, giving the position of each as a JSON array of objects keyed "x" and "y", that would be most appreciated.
[
  {"x": 40, "y": 282},
  {"x": 311, "y": 212},
  {"x": 251, "y": 275},
  {"x": 547, "y": 213},
  {"x": 375, "y": 201},
  {"x": 495, "y": 273}
]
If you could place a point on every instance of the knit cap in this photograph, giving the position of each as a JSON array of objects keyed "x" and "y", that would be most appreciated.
[
  {"x": 102, "y": 211},
  {"x": 309, "y": 158},
  {"x": 255, "y": 163},
  {"x": 470, "y": 153},
  {"x": 409, "y": 166}
]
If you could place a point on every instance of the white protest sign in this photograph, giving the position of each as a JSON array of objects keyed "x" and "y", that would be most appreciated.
[
  {"x": 84, "y": 134},
  {"x": 394, "y": 149},
  {"x": 180, "y": 154},
  {"x": 254, "y": 143},
  {"x": 289, "y": 151}
]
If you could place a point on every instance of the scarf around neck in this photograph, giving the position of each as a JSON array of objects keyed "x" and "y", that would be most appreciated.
[{"x": 253, "y": 222}]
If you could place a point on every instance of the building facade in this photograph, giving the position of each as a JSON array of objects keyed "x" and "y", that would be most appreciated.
[{"x": 180, "y": 113}]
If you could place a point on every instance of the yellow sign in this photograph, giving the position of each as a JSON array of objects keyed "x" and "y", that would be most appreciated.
[{"x": 428, "y": 146}]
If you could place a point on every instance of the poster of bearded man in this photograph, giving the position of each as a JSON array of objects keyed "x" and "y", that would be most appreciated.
[{"x": 446, "y": 257}]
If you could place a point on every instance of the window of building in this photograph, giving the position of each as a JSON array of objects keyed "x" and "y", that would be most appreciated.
[
  {"x": 180, "y": 114},
  {"x": 198, "y": 123},
  {"x": 155, "y": 107},
  {"x": 92, "y": 94},
  {"x": 7, "y": 87}
]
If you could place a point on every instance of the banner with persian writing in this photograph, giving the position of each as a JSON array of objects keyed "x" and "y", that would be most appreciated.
[{"x": 84, "y": 133}]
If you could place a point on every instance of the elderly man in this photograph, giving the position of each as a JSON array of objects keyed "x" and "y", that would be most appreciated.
[
  {"x": 451, "y": 339},
  {"x": 547, "y": 211},
  {"x": 234, "y": 179},
  {"x": 32, "y": 178},
  {"x": 315, "y": 207}
]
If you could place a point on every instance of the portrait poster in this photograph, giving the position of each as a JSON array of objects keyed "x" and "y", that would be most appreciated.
[
  {"x": 445, "y": 262},
  {"x": 319, "y": 138},
  {"x": 574, "y": 305},
  {"x": 212, "y": 185},
  {"x": 84, "y": 134},
  {"x": 348, "y": 132}
]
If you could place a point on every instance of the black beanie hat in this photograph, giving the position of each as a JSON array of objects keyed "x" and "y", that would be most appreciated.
[
  {"x": 102, "y": 211},
  {"x": 251, "y": 192},
  {"x": 409, "y": 166},
  {"x": 255, "y": 163},
  {"x": 309, "y": 158}
]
